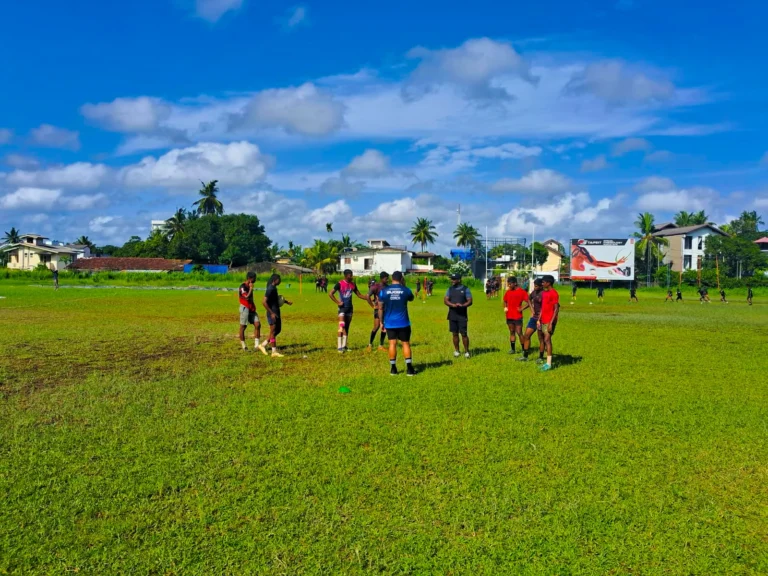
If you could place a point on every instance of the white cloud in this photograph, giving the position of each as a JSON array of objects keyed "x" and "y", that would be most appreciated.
[
  {"x": 212, "y": 10},
  {"x": 630, "y": 145},
  {"x": 561, "y": 148},
  {"x": 371, "y": 163},
  {"x": 141, "y": 114},
  {"x": 342, "y": 186},
  {"x": 78, "y": 175},
  {"x": 49, "y": 136},
  {"x": 617, "y": 83},
  {"x": 83, "y": 201},
  {"x": 596, "y": 164},
  {"x": 332, "y": 212},
  {"x": 542, "y": 181},
  {"x": 305, "y": 110},
  {"x": 30, "y": 198},
  {"x": 510, "y": 150},
  {"x": 659, "y": 156},
  {"x": 5, "y": 136},
  {"x": 21, "y": 161},
  {"x": 662, "y": 195},
  {"x": 234, "y": 164},
  {"x": 268, "y": 205},
  {"x": 472, "y": 66},
  {"x": 655, "y": 184},
  {"x": 298, "y": 15},
  {"x": 760, "y": 202}
]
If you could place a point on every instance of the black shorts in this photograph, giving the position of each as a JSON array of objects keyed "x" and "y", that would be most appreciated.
[
  {"x": 276, "y": 321},
  {"x": 513, "y": 322},
  {"x": 402, "y": 334},
  {"x": 458, "y": 326},
  {"x": 347, "y": 316}
]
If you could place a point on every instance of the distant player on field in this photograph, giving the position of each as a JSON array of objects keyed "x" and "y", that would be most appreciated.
[
  {"x": 679, "y": 295},
  {"x": 55, "y": 279},
  {"x": 514, "y": 298},
  {"x": 248, "y": 314},
  {"x": 669, "y": 296},
  {"x": 550, "y": 308},
  {"x": 393, "y": 313},
  {"x": 722, "y": 296},
  {"x": 373, "y": 299},
  {"x": 458, "y": 298},
  {"x": 534, "y": 303},
  {"x": 632, "y": 293},
  {"x": 573, "y": 290},
  {"x": 346, "y": 288},
  {"x": 749, "y": 294},
  {"x": 600, "y": 293},
  {"x": 272, "y": 302}
]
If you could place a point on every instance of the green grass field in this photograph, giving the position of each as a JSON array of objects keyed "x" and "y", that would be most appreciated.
[{"x": 136, "y": 438}]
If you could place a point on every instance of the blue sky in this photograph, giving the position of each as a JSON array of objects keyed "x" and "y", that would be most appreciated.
[{"x": 570, "y": 116}]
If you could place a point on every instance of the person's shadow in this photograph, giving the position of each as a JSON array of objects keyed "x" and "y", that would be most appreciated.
[
  {"x": 565, "y": 359},
  {"x": 481, "y": 351},
  {"x": 436, "y": 364}
]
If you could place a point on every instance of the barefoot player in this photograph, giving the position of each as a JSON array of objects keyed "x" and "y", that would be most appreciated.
[{"x": 513, "y": 309}]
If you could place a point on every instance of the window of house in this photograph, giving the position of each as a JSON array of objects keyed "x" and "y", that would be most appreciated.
[
  {"x": 688, "y": 242},
  {"x": 347, "y": 260},
  {"x": 687, "y": 262},
  {"x": 368, "y": 263},
  {"x": 701, "y": 242}
]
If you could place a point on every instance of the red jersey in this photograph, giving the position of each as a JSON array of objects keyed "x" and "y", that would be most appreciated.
[
  {"x": 246, "y": 297},
  {"x": 513, "y": 299},
  {"x": 550, "y": 299}
]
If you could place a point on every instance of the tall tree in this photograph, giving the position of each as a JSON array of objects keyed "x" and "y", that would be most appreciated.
[
  {"x": 13, "y": 236},
  {"x": 699, "y": 217},
  {"x": 209, "y": 202},
  {"x": 466, "y": 235},
  {"x": 85, "y": 241},
  {"x": 329, "y": 227},
  {"x": 321, "y": 257},
  {"x": 683, "y": 218},
  {"x": 175, "y": 224},
  {"x": 747, "y": 225},
  {"x": 423, "y": 232},
  {"x": 648, "y": 244}
]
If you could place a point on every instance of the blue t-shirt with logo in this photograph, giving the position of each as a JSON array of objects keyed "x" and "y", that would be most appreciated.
[{"x": 395, "y": 300}]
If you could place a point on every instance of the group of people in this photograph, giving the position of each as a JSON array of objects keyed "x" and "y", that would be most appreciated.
[
  {"x": 492, "y": 287},
  {"x": 321, "y": 284},
  {"x": 272, "y": 302}
]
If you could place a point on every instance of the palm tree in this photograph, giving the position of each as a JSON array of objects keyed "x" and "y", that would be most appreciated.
[
  {"x": 423, "y": 232},
  {"x": 321, "y": 256},
  {"x": 346, "y": 241},
  {"x": 329, "y": 227},
  {"x": 727, "y": 228},
  {"x": 648, "y": 243},
  {"x": 466, "y": 235},
  {"x": 13, "y": 236},
  {"x": 699, "y": 217},
  {"x": 85, "y": 241},
  {"x": 174, "y": 226},
  {"x": 747, "y": 223},
  {"x": 274, "y": 251},
  {"x": 683, "y": 218},
  {"x": 208, "y": 202}
]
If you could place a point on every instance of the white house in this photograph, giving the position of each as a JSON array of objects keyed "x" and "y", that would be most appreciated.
[
  {"x": 370, "y": 261},
  {"x": 686, "y": 244},
  {"x": 33, "y": 250},
  {"x": 160, "y": 225}
]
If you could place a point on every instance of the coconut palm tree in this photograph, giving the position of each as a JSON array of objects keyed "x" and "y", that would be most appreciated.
[
  {"x": 647, "y": 243},
  {"x": 321, "y": 256},
  {"x": 13, "y": 236},
  {"x": 466, "y": 235},
  {"x": 699, "y": 217},
  {"x": 85, "y": 241},
  {"x": 423, "y": 232},
  {"x": 208, "y": 202},
  {"x": 329, "y": 227},
  {"x": 727, "y": 228},
  {"x": 683, "y": 218},
  {"x": 747, "y": 223},
  {"x": 174, "y": 226}
]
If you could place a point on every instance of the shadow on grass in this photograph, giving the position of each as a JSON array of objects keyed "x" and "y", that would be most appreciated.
[
  {"x": 566, "y": 359},
  {"x": 432, "y": 365},
  {"x": 481, "y": 351}
]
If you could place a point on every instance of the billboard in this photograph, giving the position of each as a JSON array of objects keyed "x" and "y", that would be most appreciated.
[{"x": 602, "y": 260}]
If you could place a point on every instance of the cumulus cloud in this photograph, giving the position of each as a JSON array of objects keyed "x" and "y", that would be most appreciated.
[
  {"x": 30, "y": 198},
  {"x": 371, "y": 163},
  {"x": 48, "y": 136},
  {"x": 212, "y": 10},
  {"x": 141, "y": 114},
  {"x": 235, "y": 164},
  {"x": 78, "y": 175},
  {"x": 662, "y": 195},
  {"x": 84, "y": 201},
  {"x": 618, "y": 84},
  {"x": 5, "y": 136},
  {"x": 305, "y": 110},
  {"x": 595, "y": 165},
  {"x": 21, "y": 161},
  {"x": 330, "y": 213},
  {"x": 655, "y": 184},
  {"x": 342, "y": 186},
  {"x": 472, "y": 66},
  {"x": 630, "y": 145},
  {"x": 542, "y": 181}
]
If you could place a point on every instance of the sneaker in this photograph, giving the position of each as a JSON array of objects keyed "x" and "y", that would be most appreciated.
[
  {"x": 512, "y": 351},
  {"x": 410, "y": 372},
  {"x": 393, "y": 371},
  {"x": 263, "y": 348},
  {"x": 466, "y": 355},
  {"x": 341, "y": 350},
  {"x": 523, "y": 359},
  {"x": 456, "y": 353},
  {"x": 277, "y": 355},
  {"x": 545, "y": 368}
]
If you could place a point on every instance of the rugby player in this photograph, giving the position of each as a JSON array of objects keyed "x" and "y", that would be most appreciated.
[
  {"x": 393, "y": 313},
  {"x": 513, "y": 308},
  {"x": 345, "y": 288},
  {"x": 373, "y": 297},
  {"x": 248, "y": 314},
  {"x": 458, "y": 298},
  {"x": 550, "y": 308}
]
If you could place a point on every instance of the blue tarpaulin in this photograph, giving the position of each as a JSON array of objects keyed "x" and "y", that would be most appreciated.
[{"x": 210, "y": 268}]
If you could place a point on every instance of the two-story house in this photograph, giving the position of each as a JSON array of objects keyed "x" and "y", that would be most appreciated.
[
  {"x": 33, "y": 250},
  {"x": 686, "y": 244}
]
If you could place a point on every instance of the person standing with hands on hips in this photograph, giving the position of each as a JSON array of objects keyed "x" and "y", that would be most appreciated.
[
  {"x": 550, "y": 307},
  {"x": 458, "y": 298}
]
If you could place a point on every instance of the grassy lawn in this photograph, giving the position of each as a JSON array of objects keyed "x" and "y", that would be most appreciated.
[{"x": 136, "y": 438}]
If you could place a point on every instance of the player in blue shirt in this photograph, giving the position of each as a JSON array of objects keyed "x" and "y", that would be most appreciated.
[{"x": 393, "y": 313}]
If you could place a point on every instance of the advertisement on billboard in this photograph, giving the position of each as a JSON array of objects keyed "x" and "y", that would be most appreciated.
[{"x": 602, "y": 260}]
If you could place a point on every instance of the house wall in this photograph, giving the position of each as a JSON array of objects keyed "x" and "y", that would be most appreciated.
[
  {"x": 27, "y": 258},
  {"x": 676, "y": 251},
  {"x": 380, "y": 261},
  {"x": 552, "y": 264}
]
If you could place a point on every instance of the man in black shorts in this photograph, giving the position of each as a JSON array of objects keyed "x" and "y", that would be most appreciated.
[
  {"x": 679, "y": 295},
  {"x": 722, "y": 296},
  {"x": 393, "y": 313},
  {"x": 346, "y": 288},
  {"x": 749, "y": 294},
  {"x": 632, "y": 294},
  {"x": 55, "y": 279},
  {"x": 573, "y": 291},
  {"x": 272, "y": 302},
  {"x": 373, "y": 299},
  {"x": 600, "y": 290},
  {"x": 534, "y": 303},
  {"x": 458, "y": 298}
]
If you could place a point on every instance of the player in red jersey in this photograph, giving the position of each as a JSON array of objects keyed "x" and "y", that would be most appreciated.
[
  {"x": 550, "y": 308},
  {"x": 513, "y": 308}
]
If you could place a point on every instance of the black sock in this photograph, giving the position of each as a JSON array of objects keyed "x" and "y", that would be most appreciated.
[
  {"x": 541, "y": 355},
  {"x": 393, "y": 362},
  {"x": 373, "y": 336},
  {"x": 525, "y": 353},
  {"x": 512, "y": 345},
  {"x": 381, "y": 338},
  {"x": 409, "y": 363}
]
